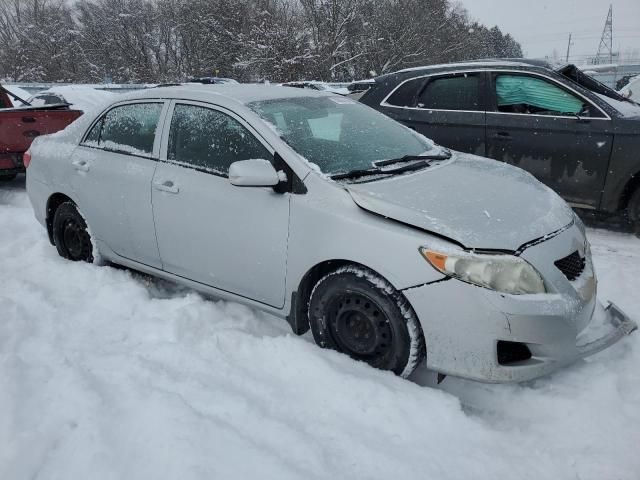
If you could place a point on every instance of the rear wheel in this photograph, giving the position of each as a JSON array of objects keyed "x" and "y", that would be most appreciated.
[
  {"x": 71, "y": 234},
  {"x": 356, "y": 312},
  {"x": 634, "y": 211}
]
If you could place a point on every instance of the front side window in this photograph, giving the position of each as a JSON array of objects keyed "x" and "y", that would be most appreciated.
[
  {"x": 127, "y": 129},
  {"x": 460, "y": 92},
  {"x": 525, "y": 94},
  {"x": 338, "y": 134},
  {"x": 210, "y": 140}
]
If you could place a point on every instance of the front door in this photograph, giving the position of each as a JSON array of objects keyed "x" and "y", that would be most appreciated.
[
  {"x": 231, "y": 238},
  {"x": 111, "y": 178},
  {"x": 554, "y": 133},
  {"x": 446, "y": 108}
]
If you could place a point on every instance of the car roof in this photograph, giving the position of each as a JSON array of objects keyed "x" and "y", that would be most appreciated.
[
  {"x": 474, "y": 64},
  {"x": 238, "y": 93}
]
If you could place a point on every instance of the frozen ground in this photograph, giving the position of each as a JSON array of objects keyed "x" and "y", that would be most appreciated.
[{"x": 105, "y": 374}]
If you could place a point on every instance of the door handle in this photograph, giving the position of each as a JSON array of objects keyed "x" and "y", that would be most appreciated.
[
  {"x": 166, "y": 186},
  {"x": 503, "y": 136},
  {"x": 80, "y": 165},
  {"x": 28, "y": 119}
]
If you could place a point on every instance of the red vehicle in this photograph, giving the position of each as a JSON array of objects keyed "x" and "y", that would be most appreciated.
[{"x": 19, "y": 126}]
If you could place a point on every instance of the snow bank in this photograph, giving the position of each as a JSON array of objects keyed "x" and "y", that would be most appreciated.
[{"x": 109, "y": 374}]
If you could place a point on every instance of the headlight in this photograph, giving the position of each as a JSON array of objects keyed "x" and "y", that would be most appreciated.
[{"x": 504, "y": 273}]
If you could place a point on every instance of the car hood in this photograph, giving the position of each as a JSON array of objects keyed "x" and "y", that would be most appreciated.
[{"x": 476, "y": 202}]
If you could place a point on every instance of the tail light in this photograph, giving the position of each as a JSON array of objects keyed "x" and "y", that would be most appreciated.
[{"x": 26, "y": 158}]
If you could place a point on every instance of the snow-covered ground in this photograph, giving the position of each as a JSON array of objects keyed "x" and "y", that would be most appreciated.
[{"x": 107, "y": 374}]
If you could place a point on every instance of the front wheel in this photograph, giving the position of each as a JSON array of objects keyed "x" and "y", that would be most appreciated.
[
  {"x": 356, "y": 312},
  {"x": 71, "y": 234}
]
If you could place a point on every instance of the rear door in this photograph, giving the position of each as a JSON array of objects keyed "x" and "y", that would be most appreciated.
[
  {"x": 448, "y": 108},
  {"x": 210, "y": 231},
  {"x": 552, "y": 131},
  {"x": 112, "y": 172}
]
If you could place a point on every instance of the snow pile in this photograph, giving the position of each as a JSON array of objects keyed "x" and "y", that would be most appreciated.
[{"x": 109, "y": 374}]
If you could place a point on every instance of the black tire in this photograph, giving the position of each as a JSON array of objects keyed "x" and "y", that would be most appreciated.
[
  {"x": 8, "y": 177},
  {"x": 356, "y": 312},
  {"x": 71, "y": 235},
  {"x": 633, "y": 211}
]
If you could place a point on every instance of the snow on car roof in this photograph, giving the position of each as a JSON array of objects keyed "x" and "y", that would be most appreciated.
[{"x": 242, "y": 93}]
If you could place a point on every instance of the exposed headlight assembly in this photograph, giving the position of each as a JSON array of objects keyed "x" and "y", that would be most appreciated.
[{"x": 503, "y": 273}]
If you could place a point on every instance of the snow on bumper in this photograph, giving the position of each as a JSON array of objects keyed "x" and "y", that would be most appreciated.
[{"x": 463, "y": 324}]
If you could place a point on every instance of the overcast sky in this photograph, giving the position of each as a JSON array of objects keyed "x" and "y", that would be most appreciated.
[{"x": 544, "y": 25}]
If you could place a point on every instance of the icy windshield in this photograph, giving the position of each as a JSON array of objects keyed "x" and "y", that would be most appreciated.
[{"x": 338, "y": 134}]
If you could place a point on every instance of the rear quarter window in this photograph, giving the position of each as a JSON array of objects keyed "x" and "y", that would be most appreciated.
[{"x": 406, "y": 94}]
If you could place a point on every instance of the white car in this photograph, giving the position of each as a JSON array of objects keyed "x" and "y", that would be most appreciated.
[{"x": 322, "y": 211}]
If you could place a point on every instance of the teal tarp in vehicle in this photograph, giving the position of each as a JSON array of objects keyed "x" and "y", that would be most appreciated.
[{"x": 519, "y": 89}]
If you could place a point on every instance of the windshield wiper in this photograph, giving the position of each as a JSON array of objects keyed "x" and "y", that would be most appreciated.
[
  {"x": 441, "y": 155},
  {"x": 383, "y": 171}
]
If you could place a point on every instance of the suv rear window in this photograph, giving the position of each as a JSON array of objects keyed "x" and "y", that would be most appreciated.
[
  {"x": 405, "y": 96},
  {"x": 460, "y": 92}
]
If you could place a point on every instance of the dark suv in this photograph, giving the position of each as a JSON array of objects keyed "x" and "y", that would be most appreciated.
[{"x": 571, "y": 132}]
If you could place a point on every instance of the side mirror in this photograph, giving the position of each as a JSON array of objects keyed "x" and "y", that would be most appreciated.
[{"x": 254, "y": 173}]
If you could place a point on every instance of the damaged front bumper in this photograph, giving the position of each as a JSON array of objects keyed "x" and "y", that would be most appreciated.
[
  {"x": 464, "y": 337},
  {"x": 604, "y": 330}
]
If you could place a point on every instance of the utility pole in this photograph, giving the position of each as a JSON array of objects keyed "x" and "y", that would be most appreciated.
[
  {"x": 568, "y": 48},
  {"x": 606, "y": 41}
]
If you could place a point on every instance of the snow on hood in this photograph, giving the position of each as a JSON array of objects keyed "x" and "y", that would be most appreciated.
[
  {"x": 632, "y": 89},
  {"x": 477, "y": 202},
  {"x": 627, "y": 109}
]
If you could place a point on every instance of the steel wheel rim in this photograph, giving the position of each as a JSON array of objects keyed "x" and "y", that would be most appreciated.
[
  {"x": 76, "y": 240},
  {"x": 359, "y": 326}
]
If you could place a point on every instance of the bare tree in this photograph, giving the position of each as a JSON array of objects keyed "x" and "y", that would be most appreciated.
[{"x": 279, "y": 40}]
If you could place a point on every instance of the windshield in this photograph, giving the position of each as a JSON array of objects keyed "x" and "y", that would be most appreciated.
[{"x": 338, "y": 134}]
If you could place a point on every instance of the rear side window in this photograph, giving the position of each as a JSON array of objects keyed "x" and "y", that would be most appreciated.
[
  {"x": 127, "y": 129},
  {"x": 405, "y": 95},
  {"x": 210, "y": 140},
  {"x": 460, "y": 92}
]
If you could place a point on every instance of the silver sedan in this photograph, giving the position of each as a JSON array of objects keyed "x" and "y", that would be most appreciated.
[{"x": 318, "y": 209}]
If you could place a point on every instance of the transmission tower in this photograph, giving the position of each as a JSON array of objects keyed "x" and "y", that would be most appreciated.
[{"x": 605, "y": 49}]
